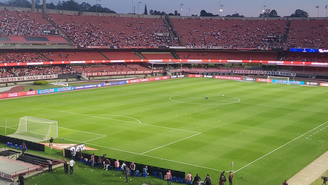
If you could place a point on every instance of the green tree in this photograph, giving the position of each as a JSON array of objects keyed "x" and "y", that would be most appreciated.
[
  {"x": 300, "y": 13},
  {"x": 146, "y": 11}
]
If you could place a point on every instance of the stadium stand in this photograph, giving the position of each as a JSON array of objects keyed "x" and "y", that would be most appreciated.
[
  {"x": 109, "y": 68},
  {"x": 73, "y": 55},
  {"x": 12, "y": 57},
  {"x": 299, "y": 56},
  {"x": 308, "y": 34},
  {"x": 157, "y": 55},
  {"x": 19, "y": 23},
  {"x": 119, "y": 55},
  {"x": 113, "y": 31},
  {"x": 32, "y": 71},
  {"x": 227, "y": 55},
  {"x": 228, "y": 33}
]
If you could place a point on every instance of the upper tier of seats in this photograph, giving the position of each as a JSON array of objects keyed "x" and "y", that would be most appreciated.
[
  {"x": 308, "y": 34},
  {"x": 129, "y": 31},
  {"x": 227, "y": 33},
  {"x": 118, "y": 31},
  {"x": 15, "y": 23}
]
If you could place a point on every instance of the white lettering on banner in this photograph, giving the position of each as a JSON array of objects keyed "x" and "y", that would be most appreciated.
[
  {"x": 12, "y": 95},
  {"x": 324, "y": 84},
  {"x": 208, "y": 76},
  {"x": 191, "y": 61},
  {"x": 117, "y": 61},
  {"x": 155, "y": 60},
  {"x": 276, "y": 62},
  {"x": 235, "y": 61},
  {"x": 27, "y": 78},
  {"x": 30, "y": 93},
  {"x": 77, "y": 62},
  {"x": 34, "y": 63},
  {"x": 319, "y": 63}
]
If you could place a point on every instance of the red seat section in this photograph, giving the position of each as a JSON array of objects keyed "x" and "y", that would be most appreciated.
[
  {"x": 157, "y": 55},
  {"x": 227, "y": 55},
  {"x": 299, "y": 56},
  {"x": 120, "y": 55},
  {"x": 308, "y": 34},
  {"x": 227, "y": 33},
  {"x": 109, "y": 68},
  {"x": 73, "y": 56},
  {"x": 87, "y": 30},
  {"x": 17, "y": 23},
  {"x": 15, "y": 57}
]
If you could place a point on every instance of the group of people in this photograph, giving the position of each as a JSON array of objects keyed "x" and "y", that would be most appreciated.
[
  {"x": 208, "y": 180},
  {"x": 33, "y": 71}
]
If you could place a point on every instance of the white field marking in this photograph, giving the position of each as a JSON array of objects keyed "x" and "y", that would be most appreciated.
[
  {"x": 170, "y": 143},
  {"x": 100, "y": 135},
  {"x": 324, "y": 91},
  {"x": 280, "y": 147},
  {"x": 222, "y": 102},
  {"x": 320, "y": 141},
  {"x": 169, "y": 160},
  {"x": 18, "y": 111},
  {"x": 94, "y": 139},
  {"x": 305, "y": 110},
  {"x": 102, "y": 146},
  {"x": 184, "y": 163},
  {"x": 119, "y": 116},
  {"x": 144, "y": 124}
]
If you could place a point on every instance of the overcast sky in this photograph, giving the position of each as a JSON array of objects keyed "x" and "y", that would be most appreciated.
[{"x": 248, "y": 8}]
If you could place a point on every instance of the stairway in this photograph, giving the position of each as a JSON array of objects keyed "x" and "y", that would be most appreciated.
[
  {"x": 139, "y": 55},
  {"x": 173, "y": 31},
  {"x": 62, "y": 32}
]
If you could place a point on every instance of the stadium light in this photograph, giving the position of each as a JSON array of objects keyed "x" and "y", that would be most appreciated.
[
  {"x": 97, "y": 5},
  {"x": 181, "y": 9},
  {"x": 138, "y": 6},
  {"x": 264, "y": 7}
]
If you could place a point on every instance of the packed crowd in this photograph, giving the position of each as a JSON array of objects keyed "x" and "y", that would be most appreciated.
[
  {"x": 113, "y": 31},
  {"x": 33, "y": 71},
  {"x": 122, "y": 31},
  {"x": 19, "y": 57},
  {"x": 228, "y": 33},
  {"x": 17, "y": 23}
]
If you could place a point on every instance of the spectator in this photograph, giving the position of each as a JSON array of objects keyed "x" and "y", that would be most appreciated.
[
  {"x": 71, "y": 165},
  {"x": 92, "y": 159},
  {"x": 189, "y": 177},
  {"x": 208, "y": 180},
  {"x": 106, "y": 164},
  {"x": 49, "y": 165},
  {"x": 169, "y": 177},
  {"x": 230, "y": 178},
  {"x": 133, "y": 168},
  {"x": 117, "y": 165},
  {"x": 65, "y": 167}
]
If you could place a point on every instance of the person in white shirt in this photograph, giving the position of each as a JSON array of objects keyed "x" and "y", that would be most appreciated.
[{"x": 71, "y": 166}]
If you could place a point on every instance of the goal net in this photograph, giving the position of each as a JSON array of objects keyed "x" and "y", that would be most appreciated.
[
  {"x": 36, "y": 129},
  {"x": 278, "y": 79}
]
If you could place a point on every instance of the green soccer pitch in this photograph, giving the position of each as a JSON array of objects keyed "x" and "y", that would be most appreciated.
[{"x": 269, "y": 131}]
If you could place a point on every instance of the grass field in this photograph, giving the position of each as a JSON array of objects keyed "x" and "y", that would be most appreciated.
[{"x": 269, "y": 131}]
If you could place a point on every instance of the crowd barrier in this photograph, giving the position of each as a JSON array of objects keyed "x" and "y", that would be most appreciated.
[{"x": 29, "y": 144}]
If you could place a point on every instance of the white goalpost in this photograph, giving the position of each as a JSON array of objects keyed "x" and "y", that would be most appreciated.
[
  {"x": 36, "y": 129},
  {"x": 278, "y": 78}
]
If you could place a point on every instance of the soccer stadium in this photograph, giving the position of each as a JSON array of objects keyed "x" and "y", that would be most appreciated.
[{"x": 105, "y": 98}]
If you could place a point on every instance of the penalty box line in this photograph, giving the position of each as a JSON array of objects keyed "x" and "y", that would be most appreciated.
[{"x": 280, "y": 147}]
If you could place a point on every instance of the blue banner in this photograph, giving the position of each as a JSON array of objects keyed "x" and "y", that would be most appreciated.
[
  {"x": 286, "y": 81},
  {"x": 87, "y": 86},
  {"x": 54, "y": 90}
]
